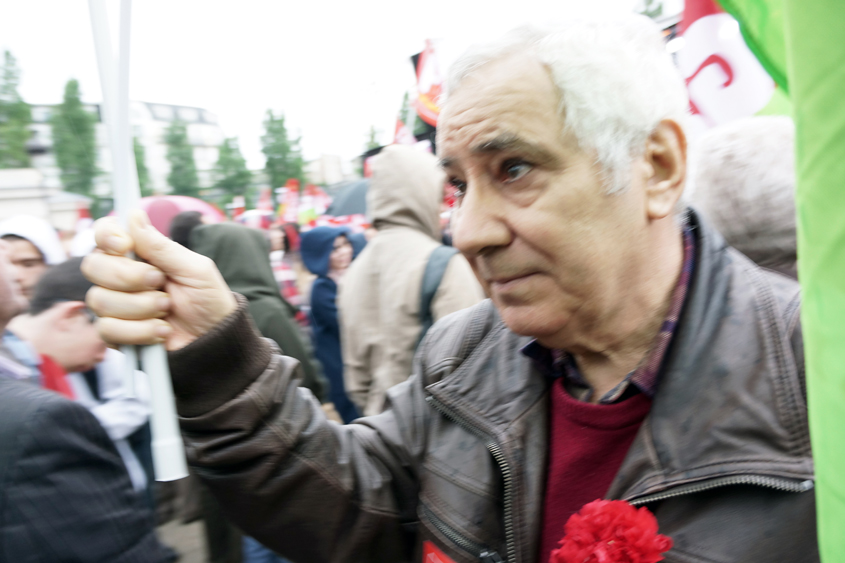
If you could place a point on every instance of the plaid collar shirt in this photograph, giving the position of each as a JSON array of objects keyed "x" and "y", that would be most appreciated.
[{"x": 644, "y": 379}]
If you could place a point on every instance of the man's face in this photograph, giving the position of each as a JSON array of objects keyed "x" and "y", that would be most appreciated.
[
  {"x": 12, "y": 301},
  {"x": 30, "y": 262},
  {"x": 77, "y": 345},
  {"x": 534, "y": 221}
]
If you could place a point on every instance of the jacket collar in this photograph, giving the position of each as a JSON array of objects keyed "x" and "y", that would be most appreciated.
[{"x": 729, "y": 401}]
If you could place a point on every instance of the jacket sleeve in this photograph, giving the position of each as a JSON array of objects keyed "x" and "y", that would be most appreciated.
[
  {"x": 324, "y": 306},
  {"x": 308, "y": 488},
  {"x": 70, "y": 497},
  {"x": 459, "y": 289}
]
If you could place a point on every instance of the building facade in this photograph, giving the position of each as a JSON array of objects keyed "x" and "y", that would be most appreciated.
[{"x": 149, "y": 122}]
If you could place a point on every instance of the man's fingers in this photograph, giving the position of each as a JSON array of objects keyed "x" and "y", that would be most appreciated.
[
  {"x": 120, "y": 273},
  {"x": 119, "y": 331},
  {"x": 128, "y": 306},
  {"x": 174, "y": 259},
  {"x": 111, "y": 238}
]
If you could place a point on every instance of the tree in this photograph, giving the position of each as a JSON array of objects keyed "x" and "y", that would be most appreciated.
[
  {"x": 372, "y": 143},
  {"x": 15, "y": 117},
  {"x": 231, "y": 172},
  {"x": 284, "y": 155},
  {"x": 74, "y": 142},
  {"x": 183, "y": 170},
  {"x": 141, "y": 166},
  {"x": 652, "y": 8}
]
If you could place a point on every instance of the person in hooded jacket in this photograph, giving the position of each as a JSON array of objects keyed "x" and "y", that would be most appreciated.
[
  {"x": 34, "y": 247},
  {"x": 327, "y": 253},
  {"x": 242, "y": 256},
  {"x": 380, "y": 296}
]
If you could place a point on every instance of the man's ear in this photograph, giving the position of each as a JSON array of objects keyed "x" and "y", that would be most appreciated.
[
  {"x": 666, "y": 157},
  {"x": 66, "y": 314}
]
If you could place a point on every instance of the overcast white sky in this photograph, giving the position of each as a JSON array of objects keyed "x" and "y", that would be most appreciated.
[{"x": 333, "y": 67}]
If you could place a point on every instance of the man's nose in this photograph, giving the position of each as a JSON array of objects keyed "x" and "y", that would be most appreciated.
[{"x": 480, "y": 221}]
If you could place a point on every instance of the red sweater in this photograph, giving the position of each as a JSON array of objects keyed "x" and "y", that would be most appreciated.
[{"x": 587, "y": 444}]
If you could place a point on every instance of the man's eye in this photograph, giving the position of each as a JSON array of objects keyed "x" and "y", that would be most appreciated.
[
  {"x": 459, "y": 185},
  {"x": 514, "y": 169}
]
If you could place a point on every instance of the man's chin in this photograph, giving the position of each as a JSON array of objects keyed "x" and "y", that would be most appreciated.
[{"x": 531, "y": 320}]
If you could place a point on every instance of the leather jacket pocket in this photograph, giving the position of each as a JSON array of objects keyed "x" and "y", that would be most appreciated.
[{"x": 449, "y": 541}]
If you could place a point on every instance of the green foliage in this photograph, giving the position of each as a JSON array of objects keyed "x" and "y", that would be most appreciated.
[
  {"x": 653, "y": 8},
  {"x": 183, "y": 170},
  {"x": 284, "y": 155},
  {"x": 372, "y": 142},
  {"x": 141, "y": 166},
  {"x": 15, "y": 118},
  {"x": 74, "y": 142},
  {"x": 231, "y": 172}
]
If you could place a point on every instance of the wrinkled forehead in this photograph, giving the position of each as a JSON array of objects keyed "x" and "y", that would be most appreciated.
[{"x": 510, "y": 100}]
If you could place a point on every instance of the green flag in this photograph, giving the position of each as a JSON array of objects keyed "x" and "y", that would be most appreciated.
[
  {"x": 800, "y": 43},
  {"x": 762, "y": 25}
]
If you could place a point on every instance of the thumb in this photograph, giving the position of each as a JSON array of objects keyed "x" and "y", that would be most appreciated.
[{"x": 170, "y": 257}]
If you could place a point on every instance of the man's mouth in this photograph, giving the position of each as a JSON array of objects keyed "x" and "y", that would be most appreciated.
[{"x": 503, "y": 283}]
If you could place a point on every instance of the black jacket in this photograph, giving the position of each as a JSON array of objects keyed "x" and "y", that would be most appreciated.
[{"x": 65, "y": 495}]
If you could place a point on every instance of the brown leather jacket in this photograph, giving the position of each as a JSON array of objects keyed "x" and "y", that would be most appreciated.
[{"x": 459, "y": 458}]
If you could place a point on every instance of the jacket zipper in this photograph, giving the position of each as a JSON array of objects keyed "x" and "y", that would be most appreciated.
[
  {"x": 786, "y": 485},
  {"x": 507, "y": 478},
  {"x": 462, "y": 541}
]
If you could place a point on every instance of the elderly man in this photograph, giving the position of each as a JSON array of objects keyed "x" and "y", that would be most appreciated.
[{"x": 625, "y": 353}]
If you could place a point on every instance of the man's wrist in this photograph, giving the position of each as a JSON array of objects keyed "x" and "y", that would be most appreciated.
[{"x": 219, "y": 365}]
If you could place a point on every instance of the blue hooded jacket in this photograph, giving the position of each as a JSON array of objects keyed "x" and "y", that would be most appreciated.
[{"x": 316, "y": 248}]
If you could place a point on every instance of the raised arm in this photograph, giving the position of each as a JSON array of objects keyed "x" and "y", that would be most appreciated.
[{"x": 306, "y": 487}]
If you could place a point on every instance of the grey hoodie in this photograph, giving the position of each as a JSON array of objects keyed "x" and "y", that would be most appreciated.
[{"x": 379, "y": 296}]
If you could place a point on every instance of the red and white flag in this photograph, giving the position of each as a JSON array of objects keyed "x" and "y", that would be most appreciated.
[
  {"x": 724, "y": 79},
  {"x": 429, "y": 85}
]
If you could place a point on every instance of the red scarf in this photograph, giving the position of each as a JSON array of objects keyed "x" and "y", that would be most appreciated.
[{"x": 53, "y": 377}]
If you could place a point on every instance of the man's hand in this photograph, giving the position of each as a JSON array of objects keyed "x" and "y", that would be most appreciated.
[{"x": 174, "y": 298}]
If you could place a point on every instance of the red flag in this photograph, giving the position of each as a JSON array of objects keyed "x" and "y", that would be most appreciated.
[{"x": 429, "y": 85}]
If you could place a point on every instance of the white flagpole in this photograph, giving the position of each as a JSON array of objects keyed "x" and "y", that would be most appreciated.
[{"x": 168, "y": 450}]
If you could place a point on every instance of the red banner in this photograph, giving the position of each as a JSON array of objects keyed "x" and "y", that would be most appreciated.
[{"x": 429, "y": 85}]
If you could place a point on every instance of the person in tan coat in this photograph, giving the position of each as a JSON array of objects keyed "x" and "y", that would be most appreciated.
[{"x": 380, "y": 296}]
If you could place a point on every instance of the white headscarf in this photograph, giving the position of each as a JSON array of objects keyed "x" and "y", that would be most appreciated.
[{"x": 39, "y": 232}]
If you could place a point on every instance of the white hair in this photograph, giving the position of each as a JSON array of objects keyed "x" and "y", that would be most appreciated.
[
  {"x": 744, "y": 181},
  {"x": 615, "y": 79}
]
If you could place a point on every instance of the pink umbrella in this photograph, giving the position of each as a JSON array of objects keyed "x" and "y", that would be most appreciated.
[{"x": 163, "y": 208}]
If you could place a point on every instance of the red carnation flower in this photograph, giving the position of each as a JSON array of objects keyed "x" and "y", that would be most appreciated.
[{"x": 611, "y": 531}]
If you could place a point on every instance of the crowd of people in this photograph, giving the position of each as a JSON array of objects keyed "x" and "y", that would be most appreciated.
[{"x": 617, "y": 319}]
